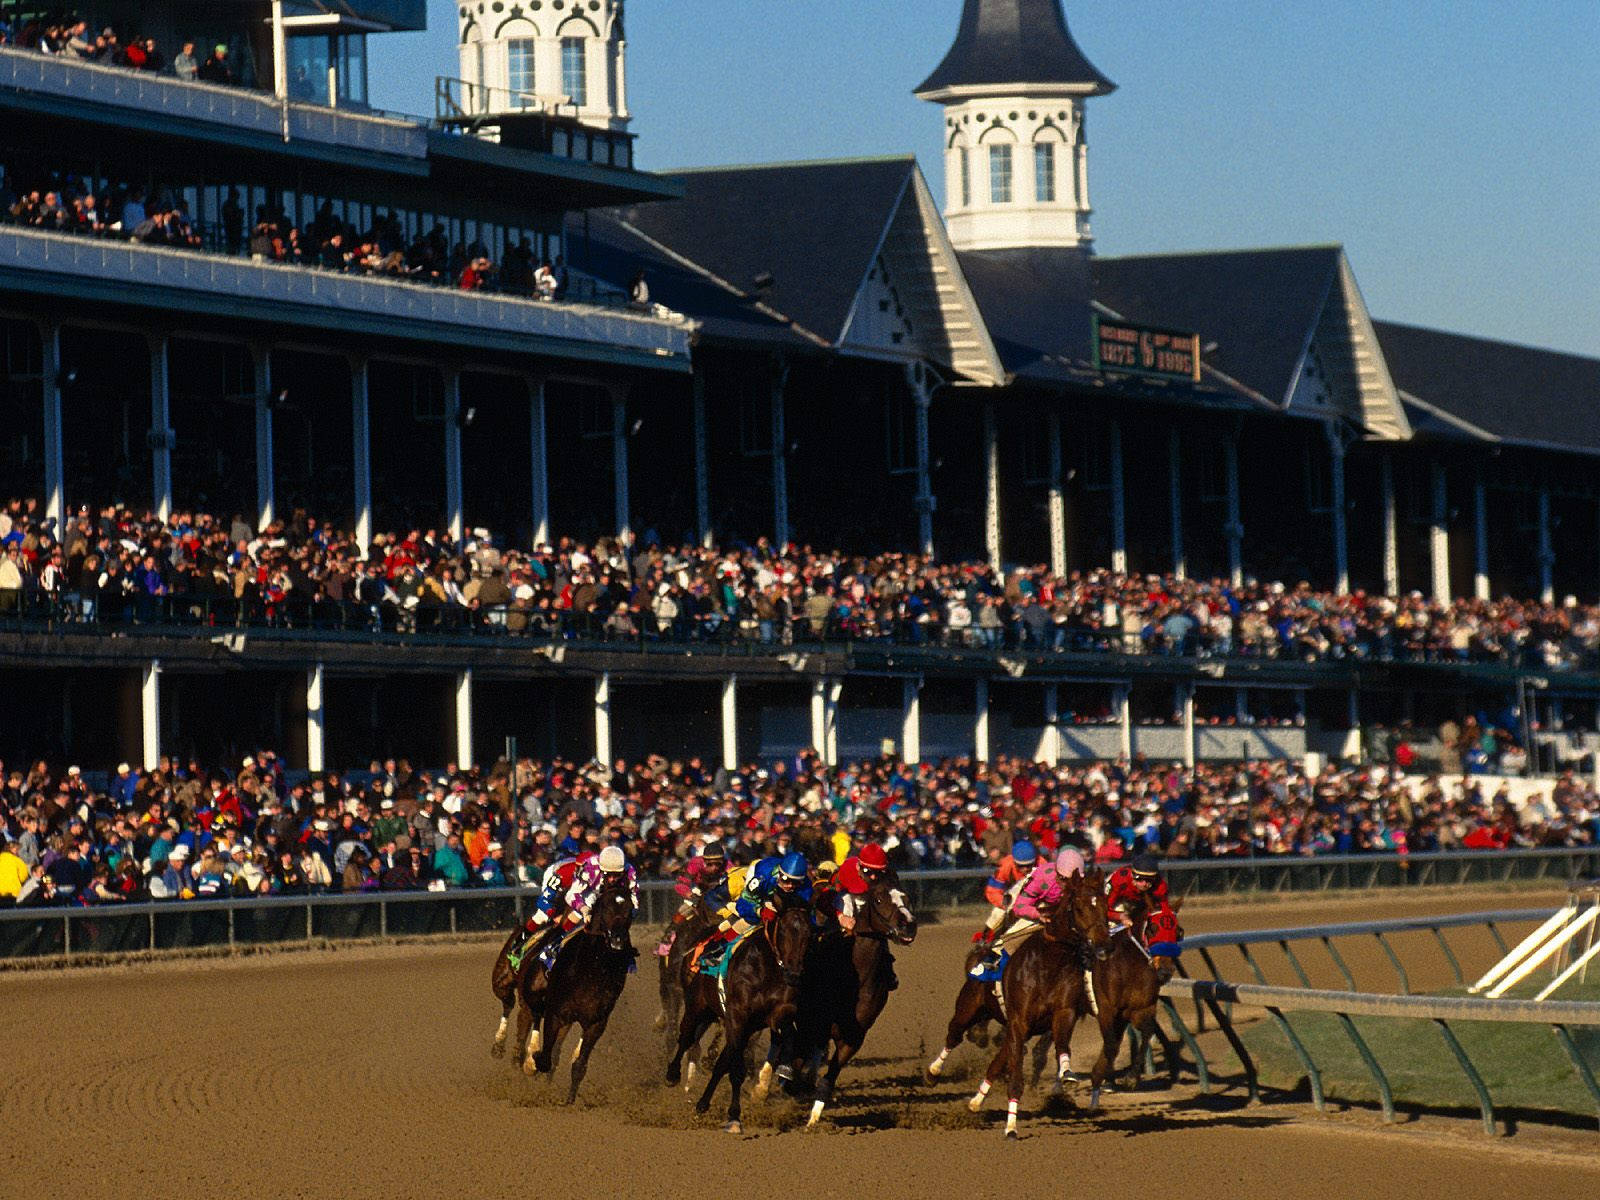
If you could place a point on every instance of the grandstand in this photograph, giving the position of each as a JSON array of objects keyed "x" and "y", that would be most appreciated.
[{"x": 259, "y": 300}]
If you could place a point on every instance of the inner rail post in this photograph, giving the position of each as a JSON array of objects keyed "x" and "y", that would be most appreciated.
[
  {"x": 1385, "y": 1093},
  {"x": 1485, "y": 1104},
  {"x": 1455, "y": 967},
  {"x": 1564, "y": 1036},
  {"x": 1338, "y": 961},
  {"x": 1245, "y": 1060},
  {"x": 1405, "y": 983},
  {"x": 1313, "y": 1076},
  {"x": 1294, "y": 962},
  {"x": 1201, "y": 1070}
]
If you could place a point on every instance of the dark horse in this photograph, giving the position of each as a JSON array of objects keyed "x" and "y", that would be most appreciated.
[
  {"x": 847, "y": 981},
  {"x": 1127, "y": 989},
  {"x": 1045, "y": 992},
  {"x": 763, "y": 974},
  {"x": 978, "y": 1002},
  {"x": 581, "y": 989}
]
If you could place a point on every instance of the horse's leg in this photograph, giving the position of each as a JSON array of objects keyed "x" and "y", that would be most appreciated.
[
  {"x": 1169, "y": 1052},
  {"x": 1014, "y": 1049},
  {"x": 735, "y": 1049},
  {"x": 691, "y": 1027},
  {"x": 554, "y": 1030},
  {"x": 844, "y": 1049},
  {"x": 1041, "y": 1053},
  {"x": 764, "y": 1076},
  {"x": 968, "y": 1003},
  {"x": 588, "y": 1035},
  {"x": 1112, "y": 1027},
  {"x": 732, "y": 1048},
  {"x": 498, "y": 1049},
  {"x": 1143, "y": 1027},
  {"x": 996, "y": 1065},
  {"x": 504, "y": 983},
  {"x": 1062, "y": 1025}
]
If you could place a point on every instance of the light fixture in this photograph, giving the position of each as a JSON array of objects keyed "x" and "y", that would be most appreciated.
[
  {"x": 466, "y": 417},
  {"x": 66, "y": 377},
  {"x": 638, "y": 424}
]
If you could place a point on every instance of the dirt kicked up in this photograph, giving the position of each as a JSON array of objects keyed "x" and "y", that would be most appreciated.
[{"x": 367, "y": 1073}]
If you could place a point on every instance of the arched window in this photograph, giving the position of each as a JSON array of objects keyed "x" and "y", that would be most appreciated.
[
  {"x": 575, "y": 69},
  {"x": 1045, "y": 164},
  {"x": 521, "y": 77},
  {"x": 1001, "y": 164},
  {"x": 958, "y": 168}
]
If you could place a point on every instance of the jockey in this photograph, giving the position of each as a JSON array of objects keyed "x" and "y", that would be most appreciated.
[
  {"x": 758, "y": 900},
  {"x": 592, "y": 874},
  {"x": 1002, "y": 887},
  {"x": 1140, "y": 883},
  {"x": 698, "y": 880},
  {"x": 1041, "y": 890},
  {"x": 553, "y": 888},
  {"x": 854, "y": 880}
]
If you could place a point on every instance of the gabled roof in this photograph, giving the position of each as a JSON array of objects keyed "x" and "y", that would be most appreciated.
[
  {"x": 1010, "y": 43},
  {"x": 1260, "y": 307},
  {"x": 1036, "y": 305},
  {"x": 1498, "y": 391},
  {"x": 813, "y": 227}
]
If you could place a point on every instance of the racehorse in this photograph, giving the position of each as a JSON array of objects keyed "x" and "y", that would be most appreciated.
[
  {"x": 978, "y": 1003},
  {"x": 683, "y": 936},
  {"x": 757, "y": 990},
  {"x": 846, "y": 984},
  {"x": 1127, "y": 988},
  {"x": 1044, "y": 986}
]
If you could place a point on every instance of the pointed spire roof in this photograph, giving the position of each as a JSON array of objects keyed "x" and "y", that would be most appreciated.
[{"x": 1010, "y": 42}]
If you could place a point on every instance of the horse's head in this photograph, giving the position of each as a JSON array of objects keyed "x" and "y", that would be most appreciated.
[
  {"x": 612, "y": 915},
  {"x": 888, "y": 912},
  {"x": 790, "y": 934},
  {"x": 1086, "y": 900}
]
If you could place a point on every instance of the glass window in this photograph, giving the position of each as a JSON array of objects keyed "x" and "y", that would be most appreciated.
[
  {"x": 574, "y": 79},
  {"x": 1044, "y": 172},
  {"x": 520, "y": 56},
  {"x": 1000, "y": 174},
  {"x": 966, "y": 178},
  {"x": 353, "y": 69}
]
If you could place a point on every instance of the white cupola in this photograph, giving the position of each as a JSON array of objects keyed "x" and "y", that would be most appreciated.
[
  {"x": 1016, "y": 158},
  {"x": 564, "y": 57}
]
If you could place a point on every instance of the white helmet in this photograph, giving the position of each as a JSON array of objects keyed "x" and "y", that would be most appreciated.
[{"x": 612, "y": 860}]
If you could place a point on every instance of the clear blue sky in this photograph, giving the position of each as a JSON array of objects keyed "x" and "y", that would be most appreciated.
[{"x": 1453, "y": 146}]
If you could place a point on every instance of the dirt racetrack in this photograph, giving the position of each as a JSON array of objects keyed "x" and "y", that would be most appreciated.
[{"x": 366, "y": 1072}]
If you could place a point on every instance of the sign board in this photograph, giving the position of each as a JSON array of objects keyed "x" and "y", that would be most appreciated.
[{"x": 1142, "y": 350}]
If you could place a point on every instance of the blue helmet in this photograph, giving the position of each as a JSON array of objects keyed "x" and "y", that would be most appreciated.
[
  {"x": 793, "y": 866},
  {"x": 1023, "y": 854}
]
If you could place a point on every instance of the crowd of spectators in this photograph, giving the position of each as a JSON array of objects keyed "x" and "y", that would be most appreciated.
[
  {"x": 64, "y": 203},
  {"x": 183, "y": 831},
  {"x": 73, "y": 37},
  {"x": 119, "y": 565}
]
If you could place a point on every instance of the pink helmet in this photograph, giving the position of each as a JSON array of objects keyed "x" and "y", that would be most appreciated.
[{"x": 1069, "y": 862}]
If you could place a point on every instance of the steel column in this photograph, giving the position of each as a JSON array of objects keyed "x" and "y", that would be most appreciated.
[
  {"x": 464, "y": 757},
  {"x": 619, "y": 462},
  {"x": 1057, "y": 500},
  {"x": 455, "y": 511},
  {"x": 780, "y": 457},
  {"x": 980, "y": 720},
  {"x": 602, "y": 718},
  {"x": 1235, "y": 526},
  {"x": 539, "y": 450},
  {"x": 55, "y": 488},
  {"x": 991, "y": 486},
  {"x": 1480, "y": 538},
  {"x": 911, "y": 721},
  {"x": 1439, "y": 534},
  {"x": 316, "y": 720},
  {"x": 361, "y": 443},
  {"x": 1180, "y": 560},
  {"x": 150, "y": 714},
  {"x": 1391, "y": 530},
  {"x": 261, "y": 359},
  {"x": 160, "y": 436},
  {"x": 730, "y": 723},
  {"x": 1119, "y": 518},
  {"x": 702, "y": 465}
]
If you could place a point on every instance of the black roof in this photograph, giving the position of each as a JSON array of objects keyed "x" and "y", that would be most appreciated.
[
  {"x": 1259, "y": 306},
  {"x": 813, "y": 227},
  {"x": 1517, "y": 394},
  {"x": 1015, "y": 41},
  {"x": 1036, "y": 305}
]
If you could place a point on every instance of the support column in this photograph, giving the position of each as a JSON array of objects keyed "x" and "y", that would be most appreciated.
[
  {"x": 991, "y": 486},
  {"x": 454, "y": 505},
  {"x": 619, "y": 460},
  {"x": 924, "y": 502},
  {"x": 702, "y": 464},
  {"x": 835, "y": 696},
  {"x": 1391, "y": 528},
  {"x": 1180, "y": 560},
  {"x": 55, "y": 488},
  {"x": 911, "y": 722},
  {"x": 730, "y": 723},
  {"x": 1050, "y": 742},
  {"x": 1186, "y": 695},
  {"x": 1125, "y": 720},
  {"x": 1439, "y": 535},
  {"x": 150, "y": 714},
  {"x": 1057, "y": 501},
  {"x": 261, "y": 357},
  {"x": 160, "y": 439},
  {"x": 316, "y": 720},
  {"x": 1480, "y": 538},
  {"x": 1547, "y": 550},
  {"x": 1235, "y": 527},
  {"x": 1341, "y": 543},
  {"x": 780, "y": 458},
  {"x": 361, "y": 442},
  {"x": 980, "y": 720},
  {"x": 540, "y": 451},
  {"x": 1119, "y": 518},
  {"x": 819, "y": 718},
  {"x": 464, "y": 719},
  {"x": 602, "y": 718}
]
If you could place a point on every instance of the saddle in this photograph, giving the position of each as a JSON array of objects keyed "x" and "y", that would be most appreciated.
[{"x": 990, "y": 968}]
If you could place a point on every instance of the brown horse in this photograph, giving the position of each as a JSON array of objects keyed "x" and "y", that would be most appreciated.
[
  {"x": 683, "y": 934},
  {"x": 847, "y": 982},
  {"x": 978, "y": 1003},
  {"x": 1127, "y": 988},
  {"x": 760, "y": 984},
  {"x": 505, "y": 983},
  {"x": 1044, "y": 986},
  {"x": 582, "y": 987}
]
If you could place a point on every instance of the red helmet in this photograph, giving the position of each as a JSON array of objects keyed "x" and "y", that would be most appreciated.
[{"x": 873, "y": 858}]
